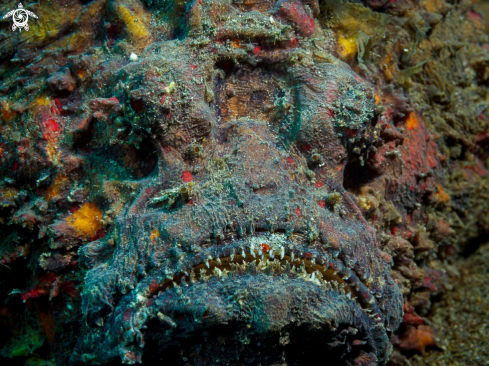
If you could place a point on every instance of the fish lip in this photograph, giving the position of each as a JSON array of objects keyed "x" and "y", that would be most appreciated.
[
  {"x": 295, "y": 243},
  {"x": 168, "y": 302}
]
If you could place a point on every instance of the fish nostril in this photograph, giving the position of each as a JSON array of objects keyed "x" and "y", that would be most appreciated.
[
  {"x": 315, "y": 158},
  {"x": 195, "y": 150},
  {"x": 185, "y": 192}
]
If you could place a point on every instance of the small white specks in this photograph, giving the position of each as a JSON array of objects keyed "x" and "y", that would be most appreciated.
[
  {"x": 272, "y": 20},
  {"x": 406, "y": 50},
  {"x": 133, "y": 57},
  {"x": 140, "y": 298},
  {"x": 170, "y": 88}
]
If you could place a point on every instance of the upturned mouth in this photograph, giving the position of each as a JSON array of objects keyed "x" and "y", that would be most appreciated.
[
  {"x": 256, "y": 290},
  {"x": 275, "y": 255},
  {"x": 263, "y": 262},
  {"x": 224, "y": 294},
  {"x": 262, "y": 319}
]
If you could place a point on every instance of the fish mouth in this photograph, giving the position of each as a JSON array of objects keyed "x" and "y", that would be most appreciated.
[
  {"x": 298, "y": 289},
  {"x": 272, "y": 254},
  {"x": 257, "y": 262},
  {"x": 259, "y": 319}
]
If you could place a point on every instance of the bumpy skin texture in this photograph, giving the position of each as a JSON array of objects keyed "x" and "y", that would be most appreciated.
[
  {"x": 234, "y": 132},
  {"x": 252, "y": 140}
]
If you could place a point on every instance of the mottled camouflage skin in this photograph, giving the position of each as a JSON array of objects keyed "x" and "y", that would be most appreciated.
[{"x": 252, "y": 141}]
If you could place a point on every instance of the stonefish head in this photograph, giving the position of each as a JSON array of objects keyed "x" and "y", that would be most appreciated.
[{"x": 242, "y": 247}]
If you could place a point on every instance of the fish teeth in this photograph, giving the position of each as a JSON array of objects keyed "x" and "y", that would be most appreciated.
[
  {"x": 287, "y": 267},
  {"x": 217, "y": 272},
  {"x": 268, "y": 263},
  {"x": 252, "y": 267},
  {"x": 318, "y": 278},
  {"x": 259, "y": 264}
]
